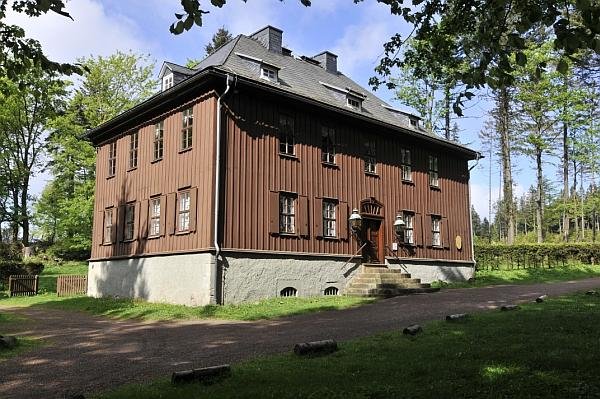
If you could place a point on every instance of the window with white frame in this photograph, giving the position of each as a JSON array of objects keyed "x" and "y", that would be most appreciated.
[
  {"x": 269, "y": 74},
  {"x": 436, "y": 231},
  {"x": 286, "y": 135},
  {"x": 328, "y": 144},
  {"x": 406, "y": 163},
  {"x": 187, "y": 122},
  {"x": 287, "y": 213},
  {"x": 353, "y": 102},
  {"x": 112, "y": 158},
  {"x": 158, "y": 145},
  {"x": 183, "y": 211},
  {"x": 167, "y": 81},
  {"x": 434, "y": 180},
  {"x": 133, "y": 150},
  {"x": 108, "y": 226},
  {"x": 370, "y": 157},
  {"x": 154, "y": 217},
  {"x": 129, "y": 222},
  {"x": 329, "y": 218},
  {"x": 409, "y": 236}
]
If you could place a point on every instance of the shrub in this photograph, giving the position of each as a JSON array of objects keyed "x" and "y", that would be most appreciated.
[
  {"x": 68, "y": 252},
  {"x": 10, "y": 251},
  {"x": 12, "y": 267}
]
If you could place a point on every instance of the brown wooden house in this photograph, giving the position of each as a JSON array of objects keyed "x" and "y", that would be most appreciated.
[{"x": 236, "y": 182}]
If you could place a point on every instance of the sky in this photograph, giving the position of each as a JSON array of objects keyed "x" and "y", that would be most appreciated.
[{"x": 355, "y": 32}]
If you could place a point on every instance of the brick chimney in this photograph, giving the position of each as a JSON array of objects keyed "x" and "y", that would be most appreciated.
[
  {"x": 269, "y": 37},
  {"x": 327, "y": 60}
]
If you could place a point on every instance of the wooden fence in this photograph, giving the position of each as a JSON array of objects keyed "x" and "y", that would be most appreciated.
[
  {"x": 23, "y": 285},
  {"x": 71, "y": 285}
]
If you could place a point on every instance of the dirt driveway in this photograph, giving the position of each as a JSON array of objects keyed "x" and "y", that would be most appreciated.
[{"x": 90, "y": 354}]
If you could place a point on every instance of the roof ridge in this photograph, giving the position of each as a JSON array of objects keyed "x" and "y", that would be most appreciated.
[{"x": 236, "y": 39}]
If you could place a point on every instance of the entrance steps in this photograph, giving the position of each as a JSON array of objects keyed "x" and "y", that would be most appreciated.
[{"x": 376, "y": 280}]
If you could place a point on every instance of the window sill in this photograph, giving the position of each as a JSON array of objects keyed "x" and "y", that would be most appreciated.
[
  {"x": 181, "y": 151},
  {"x": 153, "y": 237},
  {"x": 129, "y": 240},
  {"x": 156, "y": 160},
  {"x": 372, "y": 174},
  {"x": 410, "y": 182},
  {"x": 289, "y": 156},
  {"x": 331, "y": 238},
  {"x": 182, "y": 233},
  {"x": 110, "y": 177},
  {"x": 288, "y": 235},
  {"x": 408, "y": 244},
  {"x": 131, "y": 169},
  {"x": 330, "y": 165},
  {"x": 435, "y": 187}
]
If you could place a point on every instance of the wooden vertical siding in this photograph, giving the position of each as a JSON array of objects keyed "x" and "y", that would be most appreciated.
[
  {"x": 254, "y": 168},
  {"x": 193, "y": 168}
]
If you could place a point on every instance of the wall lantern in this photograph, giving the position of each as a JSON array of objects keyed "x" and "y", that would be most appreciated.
[
  {"x": 399, "y": 225},
  {"x": 355, "y": 221}
]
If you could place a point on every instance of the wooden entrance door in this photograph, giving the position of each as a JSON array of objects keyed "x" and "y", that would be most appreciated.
[{"x": 374, "y": 250}]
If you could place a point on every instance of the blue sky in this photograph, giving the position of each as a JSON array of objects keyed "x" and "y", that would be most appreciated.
[{"x": 355, "y": 32}]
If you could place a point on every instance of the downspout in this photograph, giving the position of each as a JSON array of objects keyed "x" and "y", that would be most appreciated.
[
  {"x": 478, "y": 157},
  {"x": 214, "y": 265}
]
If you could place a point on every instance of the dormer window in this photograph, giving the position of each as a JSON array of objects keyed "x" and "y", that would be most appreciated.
[
  {"x": 353, "y": 102},
  {"x": 414, "y": 122},
  {"x": 269, "y": 74},
  {"x": 167, "y": 81}
]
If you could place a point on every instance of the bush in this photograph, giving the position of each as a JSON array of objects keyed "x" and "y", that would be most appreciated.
[
  {"x": 8, "y": 268},
  {"x": 10, "y": 251},
  {"x": 65, "y": 251},
  {"x": 527, "y": 255}
]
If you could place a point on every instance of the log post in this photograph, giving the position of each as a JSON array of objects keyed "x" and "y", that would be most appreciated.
[
  {"x": 509, "y": 307},
  {"x": 412, "y": 330},
  {"x": 200, "y": 375},
  {"x": 591, "y": 292},
  {"x": 541, "y": 298},
  {"x": 315, "y": 347},
  {"x": 457, "y": 317}
]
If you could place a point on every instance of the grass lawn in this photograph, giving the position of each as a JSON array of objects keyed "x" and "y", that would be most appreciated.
[
  {"x": 547, "y": 350},
  {"x": 573, "y": 271},
  {"x": 23, "y": 345}
]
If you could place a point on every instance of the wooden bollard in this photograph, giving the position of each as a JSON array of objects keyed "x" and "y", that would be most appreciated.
[
  {"x": 200, "y": 375},
  {"x": 591, "y": 292},
  {"x": 412, "y": 330},
  {"x": 457, "y": 317},
  {"x": 541, "y": 298},
  {"x": 509, "y": 307},
  {"x": 316, "y": 347}
]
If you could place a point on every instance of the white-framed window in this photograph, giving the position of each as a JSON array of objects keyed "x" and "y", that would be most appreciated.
[
  {"x": 112, "y": 158},
  {"x": 409, "y": 236},
  {"x": 154, "y": 217},
  {"x": 183, "y": 211},
  {"x": 327, "y": 144},
  {"x": 353, "y": 102},
  {"x": 286, "y": 135},
  {"x": 329, "y": 218},
  {"x": 434, "y": 180},
  {"x": 406, "y": 164},
  {"x": 370, "y": 156},
  {"x": 129, "y": 222},
  {"x": 108, "y": 225},
  {"x": 436, "y": 231},
  {"x": 133, "y": 150},
  {"x": 269, "y": 74},
  {"x": 158, "y": 145},
  {"x": 187, "y": 123},
  {"x": 287, "y": 213},
  {"x": 167, "y": 81}
]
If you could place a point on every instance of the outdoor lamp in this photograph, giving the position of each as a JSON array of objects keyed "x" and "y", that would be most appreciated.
[
  {"x": 355, "y": 220},
  {"x": 399, "y": 225}
]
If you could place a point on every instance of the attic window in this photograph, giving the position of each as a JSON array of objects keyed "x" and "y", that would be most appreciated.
[
  {"x": 353, "y": 102},
  {"x": 414, "y": 122},
  {"x": 167, "y": 81},
  {"x": 269, "y": 74}
]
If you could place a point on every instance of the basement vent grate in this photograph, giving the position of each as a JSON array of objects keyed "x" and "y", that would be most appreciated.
[
  {"x": 331, "y": 291},
  {"x": 288, "y": 291}
]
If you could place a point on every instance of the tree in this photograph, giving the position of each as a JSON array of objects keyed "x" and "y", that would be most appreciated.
[
  {"x": 219, "y": 38},
  {"x": 26, "y": 110},
  {"x": 109, "y": 86}
]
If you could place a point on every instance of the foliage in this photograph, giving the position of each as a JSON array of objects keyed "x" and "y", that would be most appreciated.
[
  {"x": 13, "y": 267},
  {"x": 24, "y": 344},
  {"x": 10, "y": 251},
  {"x": 541, "y": 350}
]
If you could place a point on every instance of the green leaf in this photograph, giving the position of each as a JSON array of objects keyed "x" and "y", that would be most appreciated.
[{"x": 521, "y": 58}]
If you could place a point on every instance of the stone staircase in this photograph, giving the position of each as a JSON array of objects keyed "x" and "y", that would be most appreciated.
[{"x": 376, "y": 280}]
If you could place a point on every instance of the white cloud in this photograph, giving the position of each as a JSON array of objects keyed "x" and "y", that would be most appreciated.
[{"x": 93, "y": 31}]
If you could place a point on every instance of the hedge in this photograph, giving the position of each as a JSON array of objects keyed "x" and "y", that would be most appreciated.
[
  {"x": 496, "y": 256},
  {"x": 8, "y": 268}
]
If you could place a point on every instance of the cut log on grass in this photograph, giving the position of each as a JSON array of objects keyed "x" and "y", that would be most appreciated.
[
  {"x": 413, "y": 330},
  {"x": 506, "y": 308},
  {"x": 200, "y": 375},
  {"x": 316, "y": 347},
  {"x": 457, "y": 317},
  {"x": 541, "y": 298},
  {"x": 592, "y": 292},
  {"x": 7, "y": 342}
]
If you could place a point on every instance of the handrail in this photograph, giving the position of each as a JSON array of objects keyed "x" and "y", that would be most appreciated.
[
  {"x": 397, "y": 258},
  {"x": 353, "y": 256}
]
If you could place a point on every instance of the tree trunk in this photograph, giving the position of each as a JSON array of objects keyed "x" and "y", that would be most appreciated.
[
  {"x": 565, "y": 221},
  {"x": 539, "y": 196},
  {"x": 447, "y": 111},
  {"x": 15, "y": 215},
  {"x": 24, "y": 211},
  {"x": 507, "y": 182}
]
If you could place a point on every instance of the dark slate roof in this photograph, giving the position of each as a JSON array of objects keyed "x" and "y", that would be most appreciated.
[{"x": 179, "y": 68}]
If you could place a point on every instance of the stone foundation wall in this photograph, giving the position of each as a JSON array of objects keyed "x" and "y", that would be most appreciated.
[
  {"x": 180, "y": 279},
  {"x": 430, "y": 271}
]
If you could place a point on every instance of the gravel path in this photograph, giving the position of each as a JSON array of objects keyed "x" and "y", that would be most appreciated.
[{"x": 90, "y": 354}]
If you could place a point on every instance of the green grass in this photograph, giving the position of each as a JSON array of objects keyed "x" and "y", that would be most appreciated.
[
  {"x": 568, "y": 272},
  {"x": 52, "y": 270},
  {"x": 24, "y": 344},
  {"x": 547, "y": 350}
]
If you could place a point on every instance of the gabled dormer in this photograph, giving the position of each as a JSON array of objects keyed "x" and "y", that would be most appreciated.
[
  {"x": 266, "y": 70},
  {"x": 171, "y": 74}
]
